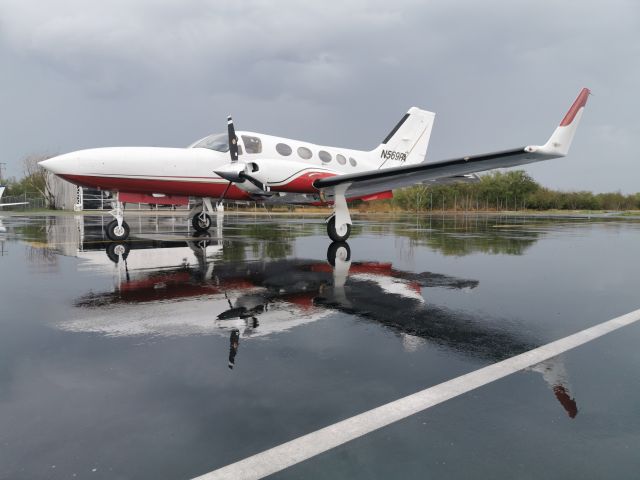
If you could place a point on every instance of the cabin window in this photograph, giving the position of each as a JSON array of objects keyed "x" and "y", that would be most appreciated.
[
  {"x": 324, "y": 156},
  {"x": 341, "y": 159},
  {"x": 352, "y": 161},
  {"x": 283, "y": 149},
  {"x": 252, "y": 144},
  {"x": 305, "y": 153}
]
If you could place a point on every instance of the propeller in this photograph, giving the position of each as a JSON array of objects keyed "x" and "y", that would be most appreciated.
[
  {"x": 236, "y": 172},
  {"x": 244, "y": 175}
]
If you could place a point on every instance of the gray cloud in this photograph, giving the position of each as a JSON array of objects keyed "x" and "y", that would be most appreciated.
[{"x": 498, "y": 74}]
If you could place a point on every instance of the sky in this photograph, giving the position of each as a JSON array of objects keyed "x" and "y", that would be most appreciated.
[{"x": 499, "y": 74}]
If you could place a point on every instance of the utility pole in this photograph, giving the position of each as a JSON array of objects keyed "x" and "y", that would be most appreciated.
[{"x": 2, "y": 166}]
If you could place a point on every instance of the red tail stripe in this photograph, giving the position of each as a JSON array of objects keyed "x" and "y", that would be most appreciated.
[{"x": 580, "y": 102}]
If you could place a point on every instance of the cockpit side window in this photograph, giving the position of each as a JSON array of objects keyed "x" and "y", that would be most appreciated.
[
  {"x": 252, "y": 144},
  {"x": 218, "y": 142}
]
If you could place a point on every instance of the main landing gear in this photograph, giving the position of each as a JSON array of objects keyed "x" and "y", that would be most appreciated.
[
  {"x": 339, "y": 223},
  {"x": 118, "y": 230}
]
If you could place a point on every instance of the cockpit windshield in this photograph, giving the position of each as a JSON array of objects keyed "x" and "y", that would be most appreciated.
[{"x": 218, "y": 142}]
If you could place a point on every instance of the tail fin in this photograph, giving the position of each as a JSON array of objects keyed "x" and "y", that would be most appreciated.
[
  {"x": 560, "y": 141},
  {"x": 408, "y": 141},
  {"x": 2, "y": 187}
]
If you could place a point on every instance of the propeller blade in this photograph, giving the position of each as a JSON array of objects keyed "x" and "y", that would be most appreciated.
[
  {"x": 255, "y": 181},
  {"x": 229, "y": 176},
  {"x": 233, "y": 140}
]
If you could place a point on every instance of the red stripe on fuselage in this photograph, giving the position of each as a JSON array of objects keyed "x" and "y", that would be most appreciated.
[
  {"x": 303, "y": 183},
  {"x": 169, "y": 186}
]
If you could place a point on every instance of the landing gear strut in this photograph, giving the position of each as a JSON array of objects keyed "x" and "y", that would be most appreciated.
[
  {"x": 118, "y": 229},
  {"x": 339, "y": 224}
]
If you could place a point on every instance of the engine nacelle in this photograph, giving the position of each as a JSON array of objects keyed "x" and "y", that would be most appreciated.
[{"x": 287, "y": 175}]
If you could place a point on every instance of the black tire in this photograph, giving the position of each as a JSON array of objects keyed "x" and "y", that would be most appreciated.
[
  {"x": 198, "y": 224},
  {"x": 117, "y": 234},
  {"x": 333, "y": 250},
  {"x": 333, "y": 233},
  {"x": 117, "y": 250}
]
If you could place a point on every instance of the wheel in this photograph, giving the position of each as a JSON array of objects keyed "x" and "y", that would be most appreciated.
[
  {"x": 115, "y": 251},
  {"x": 201, "y": 222},
  {"x": 339, "y": 250},
  {"x": 338, "y": 234},
  {"x": 116, "y": 233}
]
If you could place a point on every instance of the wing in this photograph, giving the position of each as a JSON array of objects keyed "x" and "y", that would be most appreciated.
[
  {"x": 373, "y": 181},
  {"x": 12, "y": 204}
]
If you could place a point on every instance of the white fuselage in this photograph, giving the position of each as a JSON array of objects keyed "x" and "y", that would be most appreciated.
[{"x": 284, "y": 165}]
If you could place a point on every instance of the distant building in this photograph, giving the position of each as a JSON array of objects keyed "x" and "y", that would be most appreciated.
[
  {"x": 71, "y": 197},
  {"x": 64, "y": 193}
]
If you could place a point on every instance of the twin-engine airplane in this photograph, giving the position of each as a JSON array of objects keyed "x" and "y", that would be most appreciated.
[{"x": 258, "y": 167}]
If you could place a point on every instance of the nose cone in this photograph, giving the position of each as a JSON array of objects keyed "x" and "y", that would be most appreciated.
[
  {"x": 59, "y": 164},
  {"x": 231, "y": 172}
]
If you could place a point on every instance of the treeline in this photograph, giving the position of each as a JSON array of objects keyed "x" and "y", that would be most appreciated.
[
  {"x": 25, "y": 186},
  {"x": 37, "y": 182},
  {"x": 513, "y": 190}
]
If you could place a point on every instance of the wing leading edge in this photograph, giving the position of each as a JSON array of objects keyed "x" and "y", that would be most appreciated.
[{"x": 364, "y": 183}]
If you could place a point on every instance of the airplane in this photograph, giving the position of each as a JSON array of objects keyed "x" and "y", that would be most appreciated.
[
  {"x": 2, "y": 188},
  {"x": 258, "y": 167}
]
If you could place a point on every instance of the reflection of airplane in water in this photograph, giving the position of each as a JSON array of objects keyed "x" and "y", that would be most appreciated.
[
  {"x": 253, "y": 298},
  {"x": 154, "y": 252}
]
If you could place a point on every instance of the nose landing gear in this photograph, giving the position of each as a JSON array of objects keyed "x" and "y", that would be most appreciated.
[
  {"x": 118, "y": 229},
  {"x": 201, "y": 222},
  {"x": 201, "y": 215}
]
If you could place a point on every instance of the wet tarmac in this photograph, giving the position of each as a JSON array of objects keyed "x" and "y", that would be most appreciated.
[{"x": 171, "y": 355}]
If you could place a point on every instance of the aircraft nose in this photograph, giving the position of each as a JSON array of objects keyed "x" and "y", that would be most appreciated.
[{"x": 57, "y": 164}]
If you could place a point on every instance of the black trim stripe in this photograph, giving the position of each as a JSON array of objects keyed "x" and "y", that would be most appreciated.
[
  {"x": 395, "y": 129},
  {"x": 420, "y": 167},
  {"x": 312, "y": 169}
]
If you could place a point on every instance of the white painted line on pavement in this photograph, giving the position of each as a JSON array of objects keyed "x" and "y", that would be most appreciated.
[{"x": 302, "y": 448}]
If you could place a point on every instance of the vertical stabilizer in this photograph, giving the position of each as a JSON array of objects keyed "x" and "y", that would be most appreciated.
[{"x": 407, "y": 143}]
